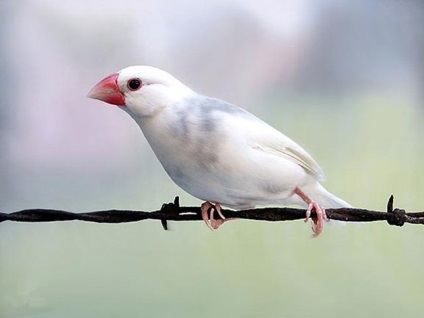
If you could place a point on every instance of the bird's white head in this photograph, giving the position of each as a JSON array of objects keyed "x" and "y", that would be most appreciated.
[{"x": 143, "y": 90}]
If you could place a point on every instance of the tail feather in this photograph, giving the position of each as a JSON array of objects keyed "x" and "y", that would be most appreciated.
[{"x": 328, "y": 200}]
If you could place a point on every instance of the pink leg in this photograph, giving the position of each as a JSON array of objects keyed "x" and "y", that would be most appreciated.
[
  {"x": 317, "y": 225},
  {"x": 208, "y": 210}
]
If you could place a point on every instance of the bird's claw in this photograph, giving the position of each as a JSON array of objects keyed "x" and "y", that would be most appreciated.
[
  {"x": 317, "y": 222},
  {"x": 208, "y": 211}
]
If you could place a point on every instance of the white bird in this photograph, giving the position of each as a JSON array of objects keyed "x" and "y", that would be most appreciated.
[{"x": 214, "y": 150}]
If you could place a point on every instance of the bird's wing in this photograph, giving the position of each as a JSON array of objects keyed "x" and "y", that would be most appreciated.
[
  {"x": 265, "y": 138},
  {"x": 260, "y": 135}
]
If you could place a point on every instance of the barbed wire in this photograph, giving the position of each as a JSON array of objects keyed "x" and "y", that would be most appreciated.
[{"x": 174, "y": 212}]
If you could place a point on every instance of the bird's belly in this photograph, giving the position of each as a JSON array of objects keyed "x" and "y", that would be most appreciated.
[{"x": 232, "y": 185}]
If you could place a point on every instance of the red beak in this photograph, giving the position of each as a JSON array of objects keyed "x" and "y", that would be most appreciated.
[{"x": 107, "y": 90}]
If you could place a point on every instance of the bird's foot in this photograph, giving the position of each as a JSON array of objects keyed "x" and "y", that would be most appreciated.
[
  {"x": 208, "y": 211},
  {"x": 317, "y": 222}
]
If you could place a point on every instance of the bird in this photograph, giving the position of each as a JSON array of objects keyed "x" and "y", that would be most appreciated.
[{"x": 216, "y": 151}]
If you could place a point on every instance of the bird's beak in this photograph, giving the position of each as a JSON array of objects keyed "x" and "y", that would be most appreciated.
[{"x": 107, "y": 90}]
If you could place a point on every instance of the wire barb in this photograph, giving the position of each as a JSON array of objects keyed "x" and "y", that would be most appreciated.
[{"x": 170, "y": 208}]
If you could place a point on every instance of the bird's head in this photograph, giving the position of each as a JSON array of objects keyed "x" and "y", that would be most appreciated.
[{"x": 142, "y": 90}]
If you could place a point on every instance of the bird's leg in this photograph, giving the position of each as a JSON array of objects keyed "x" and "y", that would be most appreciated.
[
  {"x": 208, "y": 210},
  {"x": 317, "y": 224}
]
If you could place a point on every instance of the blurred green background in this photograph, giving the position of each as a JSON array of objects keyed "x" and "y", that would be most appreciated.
[{"x": 342, "y": 78}]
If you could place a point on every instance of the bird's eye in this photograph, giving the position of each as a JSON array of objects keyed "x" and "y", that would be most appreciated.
[{"x": 134, "y": 84}]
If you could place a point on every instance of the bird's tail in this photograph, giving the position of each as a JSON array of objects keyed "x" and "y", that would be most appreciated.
[{"x": 326, "y": 199}]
